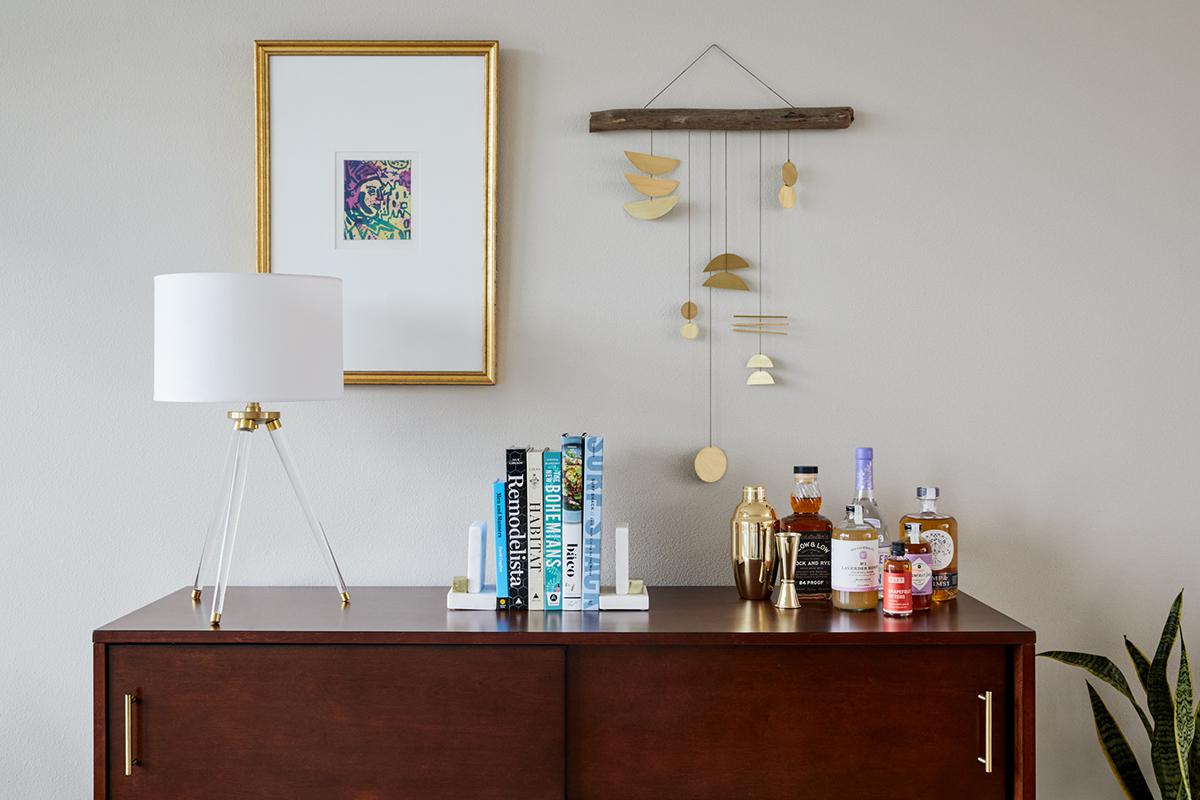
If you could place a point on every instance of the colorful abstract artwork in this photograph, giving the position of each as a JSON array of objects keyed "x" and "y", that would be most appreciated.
[{"x": 377, "y": 199}]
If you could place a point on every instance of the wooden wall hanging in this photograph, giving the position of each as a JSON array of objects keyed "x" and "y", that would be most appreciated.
[{"x": 710, "y": 462}]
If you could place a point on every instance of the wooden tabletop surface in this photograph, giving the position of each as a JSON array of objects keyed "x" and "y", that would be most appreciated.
[{"x": 418, "y": 615}]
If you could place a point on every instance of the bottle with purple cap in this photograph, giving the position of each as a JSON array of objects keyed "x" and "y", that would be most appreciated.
[{"x": 864, "y": 495}]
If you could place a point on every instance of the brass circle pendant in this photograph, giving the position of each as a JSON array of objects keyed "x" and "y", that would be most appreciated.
[
  {"x": 710, "y": 464},
  {"x": 689, "y": 310},
  {"x": 689, "y": 330}
]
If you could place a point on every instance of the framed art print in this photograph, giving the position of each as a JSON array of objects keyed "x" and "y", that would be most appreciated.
[{"x": 377, "y": 165}]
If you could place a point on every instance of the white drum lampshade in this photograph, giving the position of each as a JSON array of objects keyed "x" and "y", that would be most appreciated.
[{"x": 239, "y": 337}]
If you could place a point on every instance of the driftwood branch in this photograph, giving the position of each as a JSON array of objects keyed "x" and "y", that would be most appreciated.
[{"x": 721, "y": 119}]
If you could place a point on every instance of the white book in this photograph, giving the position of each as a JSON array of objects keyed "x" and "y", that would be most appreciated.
[
  {"x": 533, "y": 504},
  {"x": 622, "y": 551},
  {"x": 572, "y": 566}
]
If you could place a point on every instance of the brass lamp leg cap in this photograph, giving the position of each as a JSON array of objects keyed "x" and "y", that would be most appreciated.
[
  {"x": 195, "y": 595},
  {"x": 345, "y": 598},
  {"x": 216, "y": 619}
]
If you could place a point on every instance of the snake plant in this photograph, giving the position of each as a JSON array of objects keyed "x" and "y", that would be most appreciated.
[{"x": 1170, "y": 724}]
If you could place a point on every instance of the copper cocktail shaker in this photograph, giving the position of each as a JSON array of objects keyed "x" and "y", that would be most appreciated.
[{"x": 752, "y": 538}]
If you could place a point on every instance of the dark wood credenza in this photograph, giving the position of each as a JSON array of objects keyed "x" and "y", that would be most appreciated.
[{"x": 702, "y": 696}]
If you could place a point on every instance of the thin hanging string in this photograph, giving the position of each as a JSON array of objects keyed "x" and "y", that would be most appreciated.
[
  {"x": 711, "y": 311},
  {"x": 789, "y": 142},
  {"x": 760, "y": 239},
  {"x": 688, "y": 265},
  {"x": 725, "y": 195},
  {"x": 707, "y": 50}
]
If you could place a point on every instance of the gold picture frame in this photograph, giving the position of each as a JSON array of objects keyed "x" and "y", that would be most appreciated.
[{"x": 488, "y": 50}]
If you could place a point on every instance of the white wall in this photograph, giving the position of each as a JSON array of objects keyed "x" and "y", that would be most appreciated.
[{"x": 992, "y": 280}]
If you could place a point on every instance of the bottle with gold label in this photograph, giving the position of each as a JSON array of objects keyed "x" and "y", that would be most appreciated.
[
  {"x": 855, "y": 562},
  {"x": 752, "y": 539},
  {"x": 941, "y": 531}
]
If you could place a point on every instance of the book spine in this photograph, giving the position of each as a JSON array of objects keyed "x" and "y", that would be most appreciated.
[
  {"x": 572, "y": 482},
  {"x": 552, "y": 527},
  {"x": 518, "y": 532},
  {"x": 500, "y": 529},
  {"x": 533, "y": 518},
  {"x": 593, "y": 483}
]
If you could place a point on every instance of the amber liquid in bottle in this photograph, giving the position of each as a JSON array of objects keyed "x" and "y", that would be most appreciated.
[
  {"x": 813, "y": 553},
  {"x": 941, "y": 532},
  {"x": 921, "y": 555}
]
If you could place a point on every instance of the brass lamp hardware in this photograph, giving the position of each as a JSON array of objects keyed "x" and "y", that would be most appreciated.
[
  {"x": 130, "y": 699},
  {"x": 986, "y": 758},
  {"x": 252, "y": 416}
]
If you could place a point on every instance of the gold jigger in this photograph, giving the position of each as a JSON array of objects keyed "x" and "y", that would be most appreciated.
[
  {"x": 753, "y": 544},
  {"x": 786, "y": 545}
]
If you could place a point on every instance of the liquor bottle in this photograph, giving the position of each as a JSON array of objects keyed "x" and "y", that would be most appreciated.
[
  {"x": 941, "y": 531},
  {"x": 864, "y": 495},
  {"x": 812, "y": 553},
  {"x": 921, "y": 555},
  {"x": 897, "y": 583},
  {"x": 752, "y": 544},
  {"x": 854, "y": 562}
]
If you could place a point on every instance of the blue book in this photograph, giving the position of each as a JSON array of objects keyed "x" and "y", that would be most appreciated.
[
  {"x": 501, "y": 544},
  {"x": 552, "y": 527},
  {"x": 593, "y": 482}
]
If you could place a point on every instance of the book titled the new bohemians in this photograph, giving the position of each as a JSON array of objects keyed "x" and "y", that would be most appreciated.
[
  {"x": 552, "y": 527},
  {"x": 593, "y": 484},
  {"x": 501, "y": 541},
  {"x": 572, "y": 483},
  {"x": 516, "y": 530}
]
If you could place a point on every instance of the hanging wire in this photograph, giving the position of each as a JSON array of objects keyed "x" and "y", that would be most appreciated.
[
  {"x": 688, "y": 265},
  {"x": 760, "y": 239},
  {"x": 724, "y": 52},
  {"x": 711, "y": 311}
]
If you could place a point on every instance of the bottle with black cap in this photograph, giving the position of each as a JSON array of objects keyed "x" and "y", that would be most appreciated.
[{"x": 813, "y": 550}]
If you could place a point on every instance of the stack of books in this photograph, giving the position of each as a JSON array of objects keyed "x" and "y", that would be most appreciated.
[{"x": 547, "y": 527}]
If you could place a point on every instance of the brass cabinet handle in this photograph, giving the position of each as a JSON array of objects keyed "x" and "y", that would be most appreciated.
[
  {"x": 986, "y": 758},
  {"x": 130, "y": 699}
]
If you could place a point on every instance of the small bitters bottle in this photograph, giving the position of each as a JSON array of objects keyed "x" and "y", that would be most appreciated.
[
  {"x": 897, "y": 583},
  {"x": 920, "y": 554}
]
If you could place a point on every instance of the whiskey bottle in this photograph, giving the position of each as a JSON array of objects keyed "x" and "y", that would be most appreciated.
[
  {"x": 854, "y": 563},
  {"x": 941, "y": 531},
  {"x": 812, "y": 553},
  {"x": 864, "y": 495}
]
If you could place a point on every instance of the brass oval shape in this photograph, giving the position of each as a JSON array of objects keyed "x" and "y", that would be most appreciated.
[
  {"x": 710, "y": 464},
  {"x": 689, "y": 310},
  {"x": 790, "y": 173},
  {"x": 726, "y": 280},
  {"x": 651, "y": 187},
  {"x": 787, "y": 196},
  {"x": 727, "y": 261},
  {"x": 651, "y": 209},
  {"x": 654, "y": 165}
]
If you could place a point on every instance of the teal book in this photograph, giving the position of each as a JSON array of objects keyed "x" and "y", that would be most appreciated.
[
  {"x": 501, "y": 542},
  {"x": 552, "y": 528},
  {"x": 593, "y": 484}
]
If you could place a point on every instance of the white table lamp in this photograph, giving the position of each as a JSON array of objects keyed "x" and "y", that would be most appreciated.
[{"x": 242, "y": 338}]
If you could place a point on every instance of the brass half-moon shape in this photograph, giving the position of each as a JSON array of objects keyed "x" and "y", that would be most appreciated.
[
  {"x": 726, "y": 280},
  {"x": 710, "y": 464},
  {"x": 651, "y": 209},
  {"x": 760, "y": 377},
  {"x": 760, "y": 361},
  {"x": 655, "y": 165},
  {"x": 727, "y": 261},
  {"x": 787, "y": 196},
  {"x": 651, "y": 187},
  {"x": 789, "y": 173}
]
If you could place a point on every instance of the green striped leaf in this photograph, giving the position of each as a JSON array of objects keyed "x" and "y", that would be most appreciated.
[
  {"x": 1141, "y": 664},
  {"x": 1116, "y": 748},
  {"x": 1194, "y": 759},
  {"x": 1185, "y": 726},
  {"x": 1164, "y": 746},
  {"x": 1104, "y": 669}
]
